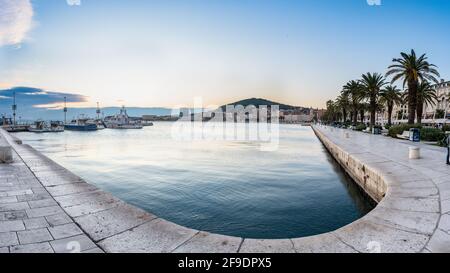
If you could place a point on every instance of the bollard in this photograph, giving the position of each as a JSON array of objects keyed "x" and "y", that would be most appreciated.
[
  {"x": 347, "y": 135},
  {"x": 6, "y": 154},
  {"x": 414, "y": 152}
]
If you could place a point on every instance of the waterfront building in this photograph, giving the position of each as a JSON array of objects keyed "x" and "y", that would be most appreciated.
[
  {"x": 299, "y": 115},
  {"x": 432, "y": 114}
]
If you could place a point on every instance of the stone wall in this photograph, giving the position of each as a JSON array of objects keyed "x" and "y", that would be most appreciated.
[{"x": 367, "y": 178}]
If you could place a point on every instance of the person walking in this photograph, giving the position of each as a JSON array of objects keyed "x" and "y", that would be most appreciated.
[{"x": 448, "y": 149}]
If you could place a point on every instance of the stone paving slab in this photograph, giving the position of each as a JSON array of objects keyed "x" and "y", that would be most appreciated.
[
  {"x": 153, "y": 237},
  {"x": 75, "y": 244},
  {"x": 34, "y": 236},
  {"x": 323, "y": 243},
  {"x": 58, "y": 219},
  {"x": 204, "y": 242},
  {"x": 412, "y": 217},
  {"x": 35, "y": 223},
  {"x": 16, "y": 225},
  {"x": 32, "y": 248},
  {"x": 8, "y": 239},
  {"x": 110, "y": 222},
  {"x": 264, "y": 246}
]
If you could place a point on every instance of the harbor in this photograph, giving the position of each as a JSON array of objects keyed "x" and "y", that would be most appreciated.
[
  {"x": 82, "y": 123},
  {"x": 46, "y": 208}
]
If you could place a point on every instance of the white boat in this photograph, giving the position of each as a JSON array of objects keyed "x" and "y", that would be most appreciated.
[
  {"x": 98, "y": 122},
  {"x": 100, "y": 126},
  {"x": 146, "y": 123},
  {"x": 122, "y": 121}
]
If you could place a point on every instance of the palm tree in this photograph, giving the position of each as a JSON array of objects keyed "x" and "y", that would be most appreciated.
[
  {"x": 330, "y": 113},
  {"x": 412, "y": 69},
  {"x": 389, "y": 97},
  {"x": 343, "y": 103},
  {"x": 426, "y": 94},
  {"x": 372, "y": 83},
  {"x": 353, "y": 89}
]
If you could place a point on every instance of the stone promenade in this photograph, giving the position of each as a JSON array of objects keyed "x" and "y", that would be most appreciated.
[{"x": 46, "y": 208}]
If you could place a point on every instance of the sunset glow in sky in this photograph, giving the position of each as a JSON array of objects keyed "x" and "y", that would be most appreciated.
[{"x": 165, "y": 53}]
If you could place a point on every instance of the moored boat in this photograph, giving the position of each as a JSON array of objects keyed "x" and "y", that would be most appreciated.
[
  {"x": 122, "y": 121},
  {"x": 11, "y": 127},
  {"x": 41, "y": 126},
  {"x": 81, "y": 124}
]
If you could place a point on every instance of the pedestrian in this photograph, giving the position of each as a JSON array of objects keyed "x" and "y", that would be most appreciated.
[{"x": 448, "y": 149}]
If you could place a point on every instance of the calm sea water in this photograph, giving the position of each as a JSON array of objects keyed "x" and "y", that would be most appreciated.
[{"x": 225, "y": 187}]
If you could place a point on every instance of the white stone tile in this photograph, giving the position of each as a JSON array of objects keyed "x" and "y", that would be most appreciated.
[
  {"x": 46, "y": 211},
  {"x": 204, "y": 242},
  {"x": 110, "y": 222},
  {"x": 34, "y": 236},
  {"x": 32, "y": 248},
  {"x": 439, "y": 242},
  {"x": 16, "y": 225},
  {"x": 74, "y": 244},
  {"x": 64, "y": 231},
  {"x": 267, "y": 246},
  {"x": 153, "y": 237},
  {"x": 323, "y": 243},
  {"x": 35, "y": 223},
  {"x": 365, "y": 236},
  {"x": 58, "y": 219},
  {"x": 42, "y": 203},
  {"x": 8, "y": 239}
]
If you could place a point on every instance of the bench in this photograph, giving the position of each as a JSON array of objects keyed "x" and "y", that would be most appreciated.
[
  {"x": 404, "y": 135},
  {"x": 5, "y": 151}
]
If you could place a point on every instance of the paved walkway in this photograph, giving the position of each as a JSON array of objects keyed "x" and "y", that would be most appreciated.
[
  {"x": 414, "y": 215},
  {"x": 46, "y": 208},
  {"x": 31, "y": 220}
]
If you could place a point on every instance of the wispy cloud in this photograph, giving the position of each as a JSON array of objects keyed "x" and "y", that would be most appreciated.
[
  {"x": 39, "y": 98},
  {"x": 16, "y": 19}
]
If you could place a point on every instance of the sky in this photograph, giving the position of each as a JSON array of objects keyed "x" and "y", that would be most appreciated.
[{"x": 164, "y": 53}]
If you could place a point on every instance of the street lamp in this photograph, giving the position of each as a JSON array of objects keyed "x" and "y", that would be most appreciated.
[{"x": 14, "y": 108}]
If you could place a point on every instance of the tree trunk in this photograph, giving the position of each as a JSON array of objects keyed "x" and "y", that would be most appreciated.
[
  {"x": 372, "y": 117},
  {"x": 361, "y": 115},
  {"x": 355, "y": 115},
  {"x": 390, "y": 108},
  {"x": 412, "y": 101},
  {"x": 419, "y": 110},
  {"x": 344, "y": 112},
  {"x": 373, "y": 110}
]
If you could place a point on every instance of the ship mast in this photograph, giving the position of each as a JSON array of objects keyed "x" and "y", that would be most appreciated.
[
  {"x": 65, "y": 110},
  {"x": 98, "y": 111}
]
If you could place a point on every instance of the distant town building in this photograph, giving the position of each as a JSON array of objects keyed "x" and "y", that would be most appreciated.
[{"x": 300, "y": 115}]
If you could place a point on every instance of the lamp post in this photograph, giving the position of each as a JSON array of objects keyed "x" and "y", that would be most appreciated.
[
  {"x": 98, "y": 111},
  {"x": 14, "y": 108}
]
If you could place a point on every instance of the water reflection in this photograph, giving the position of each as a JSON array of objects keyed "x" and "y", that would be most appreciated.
[{"x": 220, "y": 186}]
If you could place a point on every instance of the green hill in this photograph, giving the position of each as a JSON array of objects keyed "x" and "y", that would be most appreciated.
[{"x": 258, "y": 101}]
